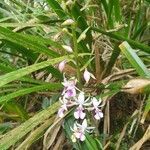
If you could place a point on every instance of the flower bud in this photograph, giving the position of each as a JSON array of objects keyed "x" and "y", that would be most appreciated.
[
  {"x": 67, "y": 48},
  {"x": 61, "y": 65},
  {"x": 68, "y": 22},
  {"x": 65, "y": 30},
  {"x": 87, "y": 75},
  {"x": 69, "y": 2},
  {"x": 81, "y": 37}
]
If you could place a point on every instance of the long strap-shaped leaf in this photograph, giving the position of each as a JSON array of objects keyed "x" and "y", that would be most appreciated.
[
  {"x": 16, "y": 134},
  {"x": 49, "y": 86},
  {"x": 25, "y": 41},
  {"x": 135, "y": 61},
  {"x": 57, "y": 8},
  {"x": 14, "y": 75}
]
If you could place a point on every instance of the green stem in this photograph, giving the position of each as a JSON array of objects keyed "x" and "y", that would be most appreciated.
[
  {"x": 76, "y": 53},
  {"x": 136, "y": 44}
]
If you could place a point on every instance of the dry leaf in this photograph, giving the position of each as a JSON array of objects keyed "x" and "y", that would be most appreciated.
[{"x": 136, "y": 86}]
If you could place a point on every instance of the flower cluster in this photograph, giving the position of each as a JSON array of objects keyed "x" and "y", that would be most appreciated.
[{"x": 73, "y": 97}]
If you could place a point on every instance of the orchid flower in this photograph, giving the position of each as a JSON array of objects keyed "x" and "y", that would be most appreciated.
[
  {"x": 69, "y": 88},
  {"x": 96, "y": 104},
  {"x": 63, "y": 107},
  {"x": 81, "y": 102},
  {"x": 87, "y": 75},
  {"x": 79, "y": 130}
]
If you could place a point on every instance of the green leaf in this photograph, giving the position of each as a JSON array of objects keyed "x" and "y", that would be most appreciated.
[
  {"x": 147, "y": 107},
  {"x": 135, "y": 61},
  {"x": 117, "y": 11},
  {"x": 26, "y": 42},
  {"x": 15, "y": 108},
  {"x": 9, "y": 77},
  {"x": 49, "y": 86},
  {"x": 11, "y": 137},
  {"x": 57, "y": 8}
]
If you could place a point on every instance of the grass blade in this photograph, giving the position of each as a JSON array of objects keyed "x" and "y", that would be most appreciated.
[
  {"x": 26, "y": 42},
  {"x": 9, "y": 77},
  {"x": 49, "y": 86}
]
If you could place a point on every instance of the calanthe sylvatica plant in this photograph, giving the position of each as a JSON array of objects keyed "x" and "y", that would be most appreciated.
[
  {"x": 74, "y": 74},
  {"x": 74, "y": 97}
]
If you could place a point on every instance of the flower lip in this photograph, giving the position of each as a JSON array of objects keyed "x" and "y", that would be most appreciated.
[{"x": 79, "y": 113}]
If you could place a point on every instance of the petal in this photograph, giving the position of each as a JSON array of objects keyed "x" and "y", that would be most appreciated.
[
  {"x": 81, "y": 98},
  {"x": 84, "y": 124},
  {"x": 77, "y": 134},
  {"x": 61, "y": 112},
  {"x": 70, "y": 93},
  {"x": 101, "y": 114},
  {"x": 76, "y": 114},
  {"x": 82, "y": 115},
  {"x": 95, "y": 102},
  {"x": 97, "y": 117},
  {"x": 92, "y": 76},
  {"x": 73, "y": 138},
  {"x": 86, "y": 75},
  {"x": 82, "y": 137},
  {"x": 98, "y": 114}
]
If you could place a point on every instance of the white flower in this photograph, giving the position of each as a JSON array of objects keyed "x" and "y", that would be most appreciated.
[
  {"x": 98, "y": 114},
  {"x": 63, "y": 107},
  {"x": 67, "y": 48},
  {"x": 87, "y": 75},
  {"x": 79, "y": 130},
  {"x": 68, "y": 22},
  {"x": 81, "y": 102}
]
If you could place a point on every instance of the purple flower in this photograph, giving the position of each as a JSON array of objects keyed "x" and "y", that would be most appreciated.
[
  {"x": 87, "y": 75},
  {"x": 98, "y": 114},
  {"x": 69, "y": 88}
]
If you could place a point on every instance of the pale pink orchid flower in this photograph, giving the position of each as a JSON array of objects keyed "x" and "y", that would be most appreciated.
[
  {"x": 81, "y": 102},
  {"x": 61, "y": 65},
  {"x": 79, "y": 130},
  {"x": 87, "y": 75},
  {"x": 63, "y": 107},
  {"x": 69, "y": 88},
  {"x": 98, "y": 114}
]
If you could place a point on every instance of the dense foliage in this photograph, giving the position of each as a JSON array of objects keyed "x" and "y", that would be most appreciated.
[{"x": 74, "y": 74}]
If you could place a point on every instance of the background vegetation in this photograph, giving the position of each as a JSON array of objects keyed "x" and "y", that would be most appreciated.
[{"x": 110, "y": 38}]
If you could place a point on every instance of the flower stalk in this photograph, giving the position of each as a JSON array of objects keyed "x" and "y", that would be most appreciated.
[{"x": 75, "y": 44}]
